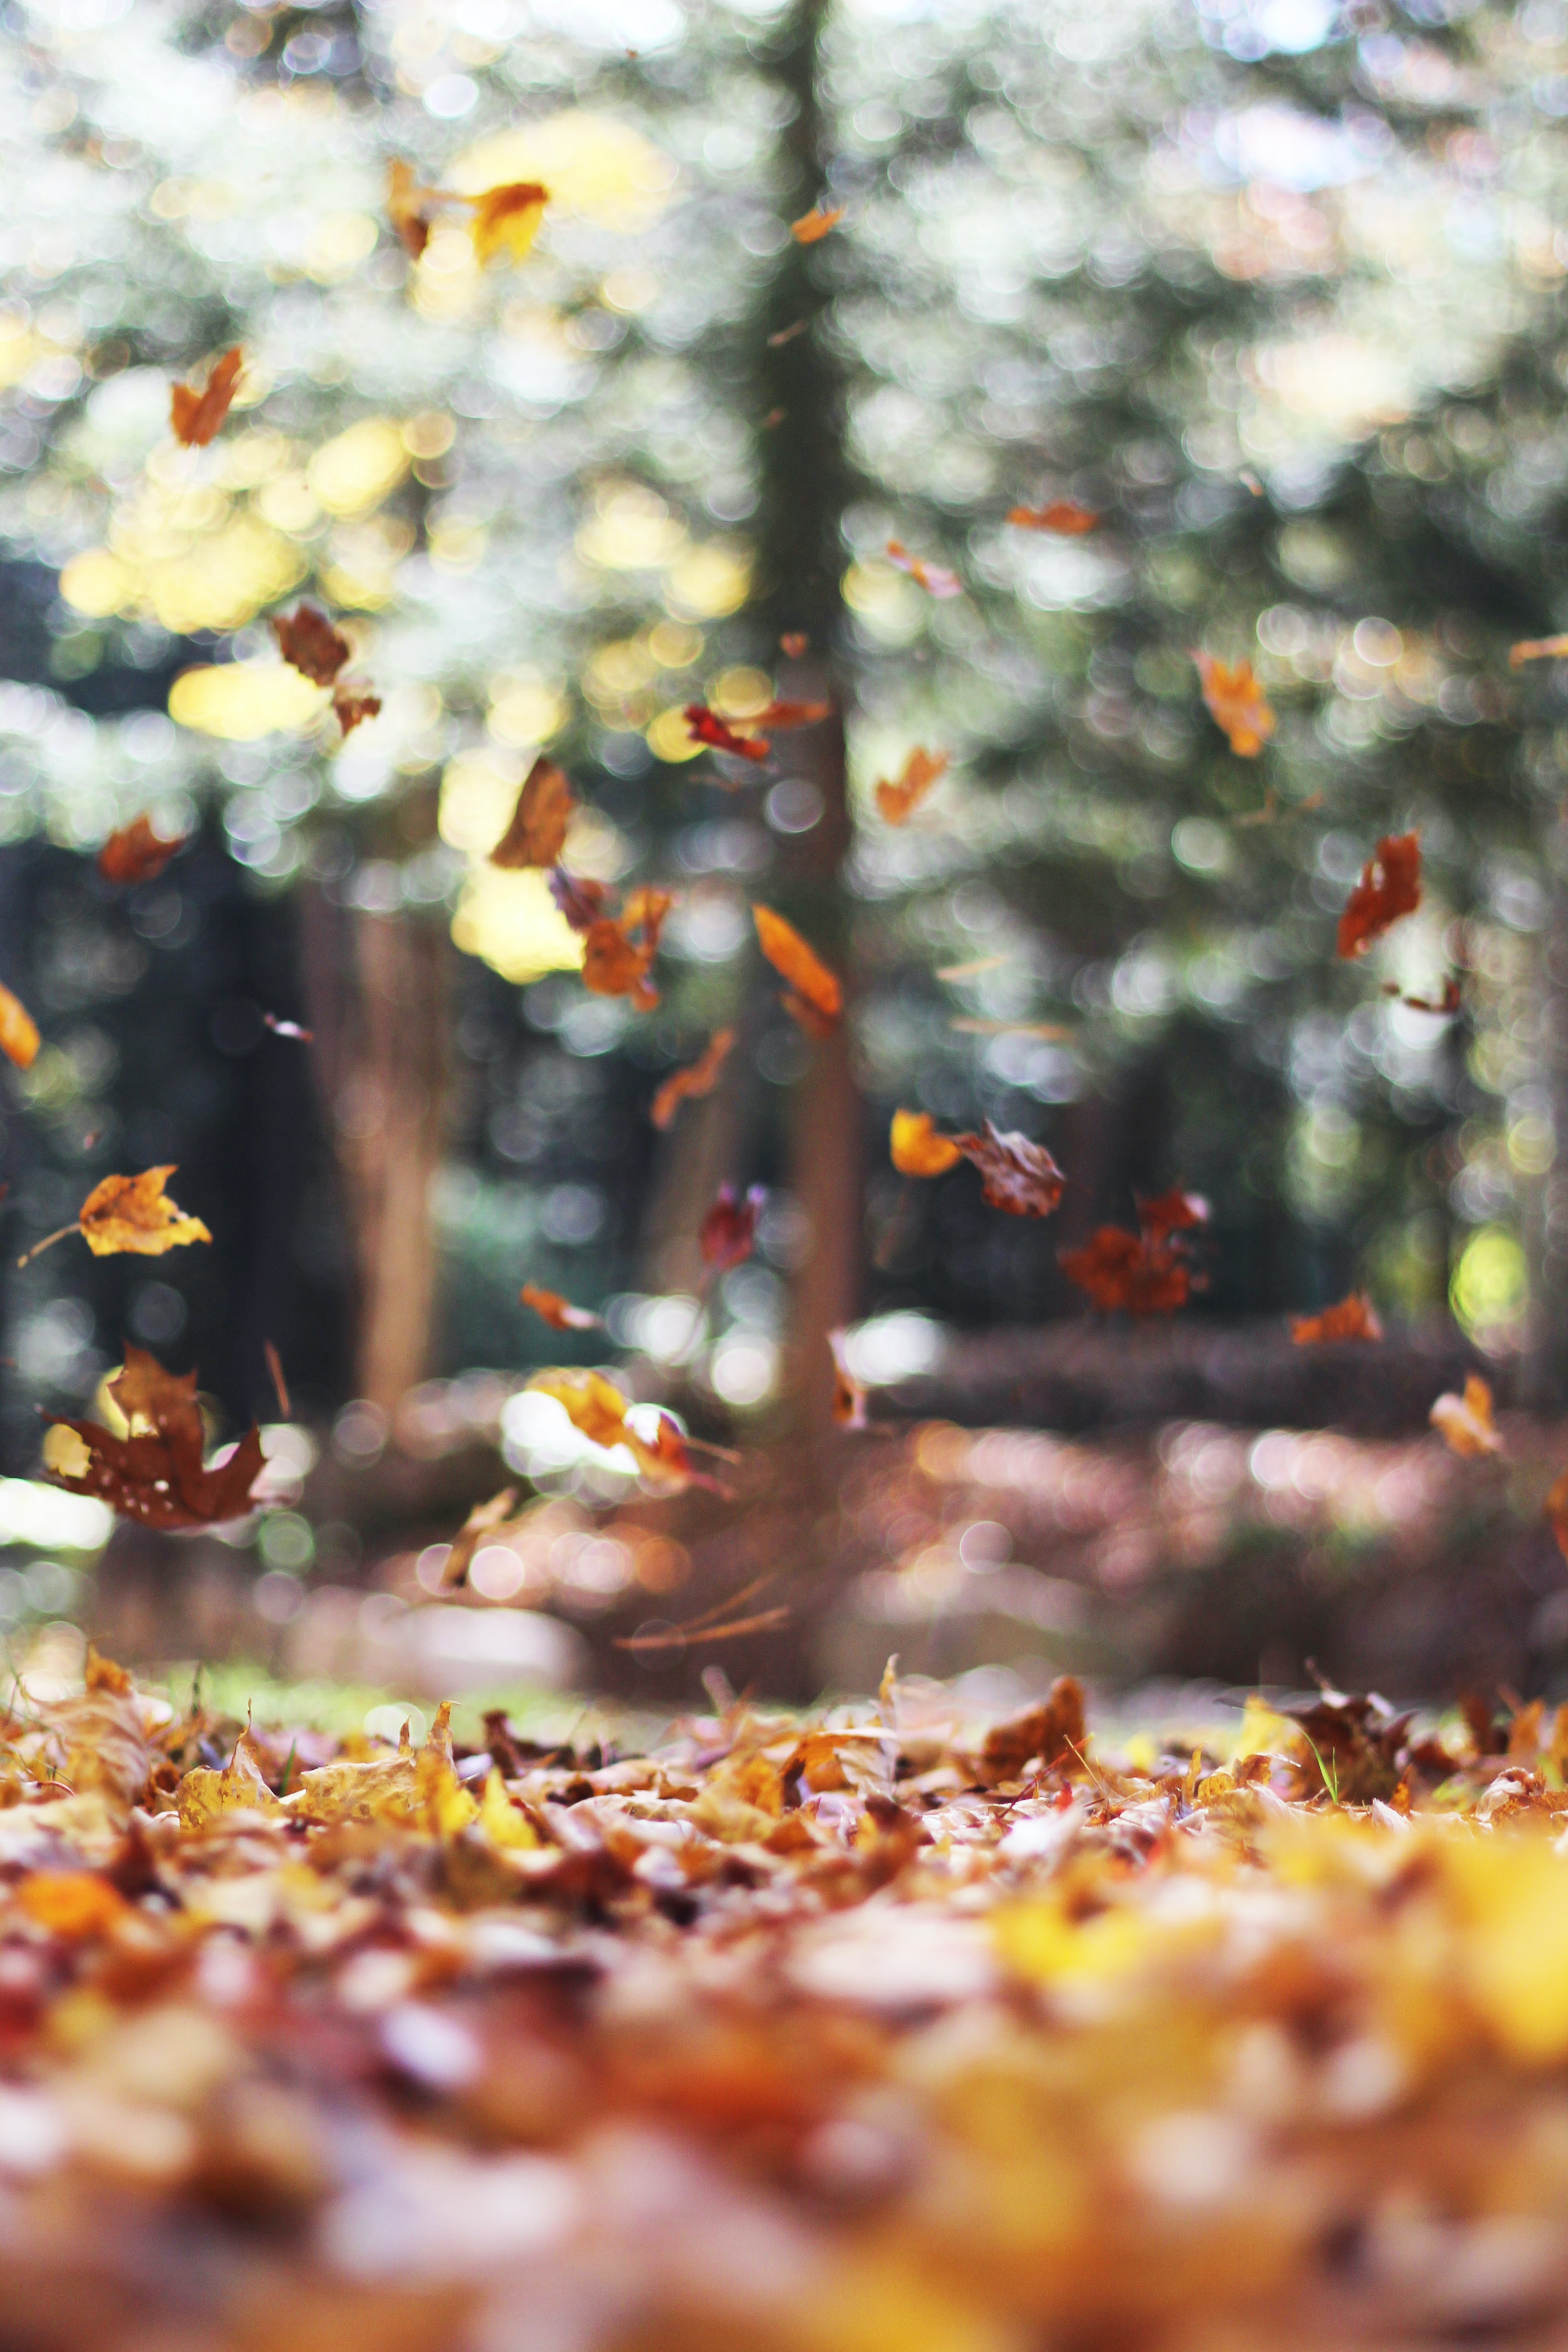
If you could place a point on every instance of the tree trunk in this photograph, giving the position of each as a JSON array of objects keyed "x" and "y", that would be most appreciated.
[{"x": 378, "y": 987}]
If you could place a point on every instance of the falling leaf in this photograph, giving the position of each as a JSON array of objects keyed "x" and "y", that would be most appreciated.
[
  {"x": 136, "y": 854},
  {"x": 1465, "y": 1422},
  {"x": 157, "y": 1475},
  {"x": 19, "y": 1031},
  {"x": 1062, "y": 515},
  {"x": 1237, "y": 703},
  {"x": 289, "y": 1029},
  {"x": 351, "y": 709},
  {"x": 1016, "y": 1175},
  {"x": 916, "y": 1148},
  {"x": 615, "y": 964},
  {"x": 814, "y": 225},
  {"x": 581, "y": 901},
  {"x": 782, "y": 715},
  {"x": 728, "y": 1234},
  {"x": 1537, "y": 649},
  {"x": 698, "y": 1079},
  {"x": 506, "y": 220},
  {"x": 132, "y": 1214},
  {"x": 810, "y": 981},
  {"x": 409, "y": 208},
  {"x": 897, "y": 800},
  {"x": 596, "y": 1408},
  {"x": 1557, "y": 1511},
  {"x": 309, "y": 643},
  {"x": 1352, "y": 1318},
  {"x": 848, "y": 1395},
  {"x": 1390, "y": 887},
  {"x": 1444, "y": 1007},
  {"x": 537, "y": 832},
  {"x": 1172, "y": 1212},
  {"x": 1128, "y": 1271},
  {"x": 794, "y": 642},
  {"x": 934, "y": 577},
  {"x": 196, "y": 417},
  {"x": 559, "y": 1312},
  {"x": 486, "y": 1523},
  {"x": 705, "y": 726}
]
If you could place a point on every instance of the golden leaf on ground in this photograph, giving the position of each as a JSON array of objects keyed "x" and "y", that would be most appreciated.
[
  {"x": 134, "y": 1214},
  {"x": 558, "y": 1312},
  {"x": 506, "y": 220},
  {"x": 157, "y": 1475},
  {"x": 1237, "y": 703},
  {"x": 1352, "y": 1319},
  {"x": 19, "y": 1031},
  {"x": 241, "y": 1787},
  {"x": 790, "y": 956},
  {"x": 309, "y": 643},
  {"x": 814, "y": 225},
  {"x": 537, "y": 831},
  {"x": 196, "y": 417},
  {"x": 917, "y": 1148},
  {"x": 136, "y": 854},
  {"x": 698, "y": 1079},
  {"x": 898, "y": 800},
  {"x": 97, "y": 1740},
  {"x": 1465, "y": 1422}
]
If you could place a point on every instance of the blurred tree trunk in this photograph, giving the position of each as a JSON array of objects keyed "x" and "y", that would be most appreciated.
[{"x": 378, "y": 990}]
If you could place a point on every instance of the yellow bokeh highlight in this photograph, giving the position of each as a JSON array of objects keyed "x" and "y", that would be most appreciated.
[
  {"x": 741, "y": 693},
  {"x": 512, "y": 922},
  {"x": 186, "y": 557},
  {"x": 478, "y": 796},
  {"x": 709, "y": 581},
  {"x": 669, "y": 736},
  {"x": 242, "y": 701},
  {"x": 356, "y": 469},
  {"x": 337, "y": 243},
  {"x": 630, "y": 530},
  {"x": 525, "y": 710},
  {"x": 361, "y": 571},
  {"x": 19, "y": 347},
  {"x": 1513, "y": 1893},
  {"x": 1490, "y": 1285},
  {"x": 603, "y": 170}
]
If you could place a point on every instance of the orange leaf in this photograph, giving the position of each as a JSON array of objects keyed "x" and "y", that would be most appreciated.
[
  {"x": 19, "y": 1031},
  {"x": 582, "y": 902},
  {"x": 794, "y": 643},
  {"x": 705, "y": 726},
  {"x": 1537, "y": 649},
  {"x": 1128, "y": 1271},
  {"x": 1016, "y": 1175},
  {"x": 157, "y": 1475},
  {"x": 309, "y": 643},
  {"x": 848, "y": 1395},
  {"x": 408, "y": 208},
  {"x": 1557, "y": 1511},
  {"x": 136, "y": 854},
  {"x": 614, "y": 965},
  {"x": 934, "y": 577},
  {"x": 790, "y": 956},
  {"x": 1465, "y": 1422},
  {"x": 350, "y": 708},
  {"x": 1352, "y": 1319},
  {"x": 74, "y": 1903},
  {"x": 814, "y": 225},
  {"x": 699, "y": 1079},
  {"x": 594, "y": 1406},
  {"x": 1390, "y": 887},
  {"x": 558, "y": 1312},
  {"x": 782, "y": 715},
  {"x": 544, "y": 810},
  {"x": 1172, "y": 1212},
  {"x": 1237, "y": 703},
  {"x": 132, "y": 1214},
  {"x": 917, "y": 1148},
  {"x": 196, "y": 417},
  {"x": 898, "y": 801},
  {"x": 1062, "y": 515},
  {"x": 506, "y": 219}
]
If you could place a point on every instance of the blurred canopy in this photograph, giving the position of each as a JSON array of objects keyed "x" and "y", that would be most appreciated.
[{"x": 1272, "y": 286}]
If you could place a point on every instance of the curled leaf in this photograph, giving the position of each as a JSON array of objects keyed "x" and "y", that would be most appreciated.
[
  {"x": 1016, "y": 1175},
  {"x": 1237, "y": 703},
  {"x": 848, "y": 1395},
  {"x": 898, "y": 800},
  {"x": 537, "y": 832},
  {"x": 241, "y": 1787},
  {"x": 698, "y": 1079},
  {"x": 934, "y": 577},
  {"x": 705, "y": 726},
  {"x": 1465, "y": 1422},
  {"x": 1063, "y": 515},
  {"x": 790, "y": 956},
  {"x": 917, "y": 1148},
  {"x": 595, "y": 1407},
  {"x": 1390, "y": 887},
  {"x": 558, "y": 1312},
  {"x": 136, "y": 854},
  {"x": 1352, "y": 1319},
  {"x": 506, "y": 220},
  {"x": 814, "y": 225},
  {"x": 196, "y": 417},
  {"x": 156, "y": 1473},
  {"x": 728, "y": 1234},
  {"x": 19, "y": 1031},
  {"x": 309, "y": 643}
]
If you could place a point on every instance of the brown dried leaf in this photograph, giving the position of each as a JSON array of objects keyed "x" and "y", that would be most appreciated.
[
  {"x": 1352, "y": 1319},
  {"x": 698, "y": 1079},
  {"x": 1016, "y": 1175},
  {"x": 506, "y": 220},
  {"x": 898, "y": 800},
  {"x": 196, "y": 417},
  {"x": 409, "y": 208},
  {"x": 1389, "y": 888},
  {"x": 351, "y": 709},
  {"x": 156, "y": 1475},
  {"x": 728, "y": 1234},
  {"x": 597, "y": 1408},
  {"x": 486, "y": 1523},
  {"x": 539, "y": 821},
  {"x": 309, "y": 643},
  {"x": 136, "y": 854}
]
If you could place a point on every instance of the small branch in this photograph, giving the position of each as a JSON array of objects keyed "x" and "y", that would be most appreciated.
[{"x": 47, "y": 1243}]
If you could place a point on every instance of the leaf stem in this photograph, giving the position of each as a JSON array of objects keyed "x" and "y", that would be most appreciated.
[{"x": 48, "y": 1242}]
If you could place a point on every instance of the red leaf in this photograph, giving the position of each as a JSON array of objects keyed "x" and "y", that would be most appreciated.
[
  {"x": 705, "y": 726},
  {"x": 1390, "y": 887},
  {"x": 728, "y": 1234},
  {"x": 136, "y": 854}
]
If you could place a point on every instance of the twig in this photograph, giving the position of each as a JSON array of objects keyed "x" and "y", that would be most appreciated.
[{"x": 48, "y": 1242}]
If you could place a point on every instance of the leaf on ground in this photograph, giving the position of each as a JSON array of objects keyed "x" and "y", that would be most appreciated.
[
  {"x": 203, "y": 1796},
  {"x": 558, "y": 1312},
  {"x": 136, "y": 853},
  {"x": 537, "y": 832},
  {"x": 898, "y": 797},
  {"x": 1352, "y": 1318},
  {"x": 19, "y": 1031},
  {"x": 309, "y": 643},
  {"x": 917, "y": 1148},
  {"x": 196, "y": 417},
  {"x": 1389, "y": 888},
  {"x": 156, "y": 1475},
  {"x": 798, "y": 963},
  {"x": 698, "y": 1079},
  {"x": 1465, "y": 1422},
  {"x": 1237, "y": 703}
]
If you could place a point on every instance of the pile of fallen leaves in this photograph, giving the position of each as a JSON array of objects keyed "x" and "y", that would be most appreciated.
[{"x": 879, "y": 2030}]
